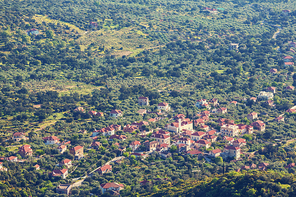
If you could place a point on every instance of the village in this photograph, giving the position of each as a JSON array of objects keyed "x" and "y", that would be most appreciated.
[{"x": 182, "y": 135}]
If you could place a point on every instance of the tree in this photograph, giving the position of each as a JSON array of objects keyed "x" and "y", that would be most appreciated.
[{"x": 49, "y": 34}]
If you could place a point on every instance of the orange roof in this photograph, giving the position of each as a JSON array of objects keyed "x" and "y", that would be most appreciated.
[
  {"x": 76, "y": 148},
  {"x": 216, "y": 151},
  {"x": 65, "y": 161},
  {"x": 135, "y": 143},
  {"x": 199, "y": 133}
]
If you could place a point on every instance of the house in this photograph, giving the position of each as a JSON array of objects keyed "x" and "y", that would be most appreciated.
[
  {"x": 119, "y": 137},
  {"x": 100, "y": 114},
  {"x": 95, "y": 145},
  {"x": 2, "y": 168},
  {"x": 129, "y": 128},
  {"x": 25, "y": 150},
  {"x": 222, "y": 110},
  {"x": 290, "y": 88},
  {"x": 79, "y": 109},
  {"x": 202, "y": 103},
  {"x": 51, "y": 140},
  {"x": 194, "y": 152},
  {"x": 233, "y": 46},
  {"x": 180, "y": 116},
  {"x": 11, "y": 159},
  {"x": 204, "y": 143},
  {"x": 135, "y": 145},
  {"x": 140, "y": 124},
  {"x": 215, "y": 153},
  {"x": 111, "y": 187},
  {"x": 288, "y": 58},
  {"x": 33, "y": 32},
  {"x": 163, "y": 137},
  {"x": 66, "y": 162},
  {"x": 197, "y": 135},
  {"x": 179, "y": 125},
  {"x": 286, "y": 12},
  {"x": 253, "y": 166},
  {"x": 291, "y": 165},
  {"x": 270, "y": 103},
  {"x": 228, "y": 139},
  {"x": 151, "y": 145},
  {"x": 271, "y": 89},
  {"x": 62, "y": 148},
  {"x": 248, "y": 129},
  {"x": 263, "y": 166},
  {"x": 213, "y": 101},
  {"x": 205, "y": 127},
  {"x": 93, "y": 25},
  {"x": 186, "y": 141},
  {"x": 18, "y": 136},
  {"x": 223, "y": 121},
  {"x": 280, "y": 119},
  {"x": 64, "y": 189},
  {"x": 199, "y": 122},
  {"x": 37, "y": 167},
  {"x": 186, "y": 133},
  {"x": 232, "y": 151},
  {"x": 273, "y": 70},
  {"x": 239, "y": 142},
  {"x": 115, "y": 113},
  {"x": 253, "y": 99},
  {"x": 77, "y": 151},
  {"x": 62, "y": 173},
  {"x": 233, "y": 102},
  {"x": 183, "y": 147},
  {"x": 210, "y": 138},
  {"x": 163, "y": 106},
  {"x": 289, "y": 63},
  {"x": 265, "y": 95},
  {"x": 108, "y": 131},
  {"x": 93, "y": 113},
  {"x": 252, "y": 116},
  {"x": 259, "y": 125},
  {"x": 291, "y": 110},
  {"x": 205, "y": 113},
  {"x": 142, "y": 112},
  {"x": 211, "y": 132},
  {"x": 143, "y": 101},
  {"x": 104, "y": 169},
  {"x": 229, "y": 130}
]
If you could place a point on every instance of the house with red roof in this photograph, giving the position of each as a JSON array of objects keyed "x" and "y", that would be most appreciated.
[
  {"x": 205, "y": 127},
  {"x": 95, "y": 145},
  {"x": 273, "y": 70},
  {"x": 37, "y": 167},
  {"x": 211, "y": 132},
  {"x": 199, "y": 122},
  {"x": 162, "y": 137},
  {"x": 204, "y": 143},
  {"x": 252, "y": 116},
  {"x": 11, "y": 159},
  {"x": 104, "y": 169},
  {"x": 239, "y": 142},
  {"x": 259, "y": 125},
  {"x": 179, "y": 125},
  {"x": 194, "y": 152},
  {"x": 186, "y": 141},
  {"x": 62, "y": 148},
  {"x": 143, "y": 101},
  {"x": 119, "y": 137},
  {"x": 77, "y": 151},
  {"x": 130, "y": 128},
  {"x": 25, "y": 150},
  {"x": 140, "y": 124},
  {"x": 291, "y": 110},
  {"x": 222, "y": 110},
  {"x": 289, "y": 63},
  {"x": 18, "y": 136},
  {"x": 233, "y": 102},
  {"x": 51, "y": 140},
  {"x": 115, "y": 113},
  {"x": 263, "y": 166},
  {"x": 215, "y": 153},
  {"x": 271, "y": 89},
  {"x": 151, "y": 145},
  {"x": 163, "y": 106},
  {"x": 280, "y": 119},
  {"x": 197, "y": 135},
  {"x": 111, "y": 187},
  {"x": 254, "y": 99},
  {"x": 270, "y": 103},
  {"x": 93, "y": 113},
  {"x": 107, "y": 131},
  {"x": 232, "y": 151},
  {"x": 66, "y": 162},
  {"x": 248, "y": 129},
  {"x": 291, "y": 165},
  {"x": 210, "y": 138},
  {"x": 213, "y": 102},
  {"x": 135, "y": 145},
  {"x": 290, "y": 88},
  {"x": 142, "y": 112},
  {"x": 62, "y": 173},
  {"x": 180, "y": 116}
]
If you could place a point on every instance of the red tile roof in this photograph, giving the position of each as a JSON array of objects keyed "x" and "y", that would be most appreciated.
[
  {"x": 135, "y": 143},
  {"x": 216, "y": 151},
  {"x": 163, "y": 104},
  {"x": 116, "y": 111},
  {"x": 111, "y": 185},
  {"x": 199, "y": 133}
]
